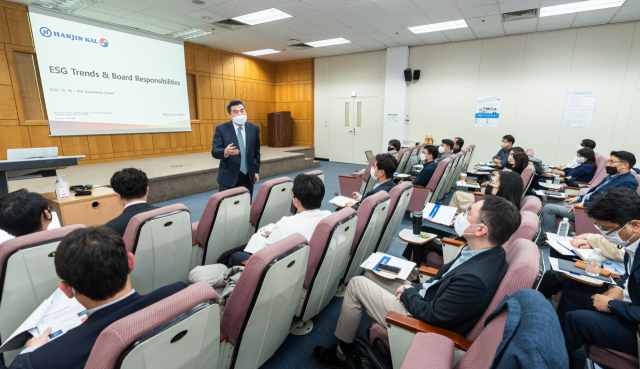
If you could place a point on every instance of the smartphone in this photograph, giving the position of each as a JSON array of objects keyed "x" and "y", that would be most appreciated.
[{"x": 388, "y": 268}]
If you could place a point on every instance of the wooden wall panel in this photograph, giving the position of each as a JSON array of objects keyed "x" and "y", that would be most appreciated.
[
  {"x": 227, "y": 65},
  {"x": 7, "y": 103},
  {"x": 305, "y": 71},
  {"x": 239, "y": 66},
  {"x": 5, "y": 78},
  {"x": 190, "y": 58},
  {"x": 13, "y": 137},
  {"x": 217, "y": 88},
  {"x": 229, "y": 89},
  {"x": 202, "y": 60},
  {"x": 100, "y": 144},
  {"x": 122, "y": 143},
  {"x": 204, "y": 86},
  {"x": 215, "y": 63},
  {"x": 294, "y": 92},
  {"x": 4, "y": 28},
  {"x": 75, "y": 145},
  {"x": 40, "y": 138}
]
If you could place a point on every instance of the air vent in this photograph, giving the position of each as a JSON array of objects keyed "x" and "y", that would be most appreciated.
[
  {"x": 300, "y": 46},
  {"x": 519, "y": 15},
  {"x": 231, "y": 24}
]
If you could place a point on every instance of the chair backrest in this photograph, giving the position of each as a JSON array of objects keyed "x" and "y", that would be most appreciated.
[
  {"x": 400, "y": 196},
  {"x": 226, "y": 217},
  {"x": 258, "y": 314},
  {"x": 180, "y": 331},
  {"x": 317, "y": 173},
  {"x": 272, "y": 202},
  {"x": 394, "y": 153},
  {"x": 161, "y": 241},
  {"x": 529, "y": 152},
  {"x": 28, "y": 277},
  {"x": 437, "y": 174},
  {"x": 527, "y": 175},
  {"x": 522, "y": 257},
  {"x": 532, "y": 204},
  {"x": 329, "y": 249},
  {"x": 372, "y": 214},
  {"x": 403, "y": 157},
  {"x": 438, "y": 193},
  {"x": 484, "y": 348},
  {"x": 527, "y": 229}
]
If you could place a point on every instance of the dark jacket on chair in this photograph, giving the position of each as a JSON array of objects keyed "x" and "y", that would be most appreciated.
[
  {"x": 71, "y": 350},
  {"x": 425, "y": 174},
  {"x": 230, "y": 166},
  {"x": 629, "y": 312},
  {"x": 384, "y": 186},
  {"x": 459, "y": 300},
  {"x": 120, "y": 223}
]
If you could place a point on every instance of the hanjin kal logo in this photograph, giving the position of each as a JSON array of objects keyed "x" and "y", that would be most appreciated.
[
  {"x": 104, "y": 42},
  {"x": 46, "y": 32}
]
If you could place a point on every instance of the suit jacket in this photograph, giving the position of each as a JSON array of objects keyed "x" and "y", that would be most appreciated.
[
  {"x": 425, "y": 174},
  {"x": 460, "y": 299},
  {"x": 626, "y": 180},
  {"x": 384, "y": 186},
  {"x": 230, "y": 166},
  {"x": 71, "y": 350},
  {"x": 625, "y": 311},
  {"x": 120, "y": 223}
]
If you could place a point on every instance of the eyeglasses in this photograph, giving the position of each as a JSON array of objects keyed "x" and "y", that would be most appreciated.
[
  {"x": 468, "y": 212},
  {"x": 609, "y": 232},
  {"x": 611, "y": 161}
]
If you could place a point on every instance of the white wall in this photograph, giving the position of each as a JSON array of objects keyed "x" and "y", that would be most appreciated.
[
  {"x": 395, "y": 95},
  {"x": 533, "y": 74}
]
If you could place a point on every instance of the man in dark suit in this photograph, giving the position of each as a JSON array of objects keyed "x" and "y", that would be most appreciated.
[
  {"x": 454, "y": 299},
  {"x": 382, "y": 171},
  {"x": 237, "y": 145},
  {"x": 608, "y": 315},
  {"x": 94, "y": 266},
  {"x": 23, "y": 212},
  {"x": 132, "y": 188},
  {"x": 428, "y": 156}
]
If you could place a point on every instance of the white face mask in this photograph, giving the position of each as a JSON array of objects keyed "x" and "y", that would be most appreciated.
[
  {"x": 441, "y": 149},
  {"x": 423, "y": 157},
  {"x": 373, "y": 173},
  {"x": 462, "y": 223},
  {"x": 580, "y": 160},
  {"x": 579, "y": 147},
  {"x": 504, "y": 144},
  {"x": 240, "y": 119},
  {"x": 614, "y": 237}
]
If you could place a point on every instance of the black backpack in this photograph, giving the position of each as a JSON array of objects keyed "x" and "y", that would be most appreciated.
[{"x": 368, "y": 357}]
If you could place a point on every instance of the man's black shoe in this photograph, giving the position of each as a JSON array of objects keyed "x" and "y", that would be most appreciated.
[{"x": 328, "y": 358}]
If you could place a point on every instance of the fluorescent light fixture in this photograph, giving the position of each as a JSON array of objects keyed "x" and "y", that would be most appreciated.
[
  {"x": 261, "y": 52},
  {"x": 439, "y": 26},
  {"x": 581, "y": 6},
  {"x": 330, "y": 42},
  {"x": 264, "y": 16},
  {"x": 188, "y": 33},
  {"x": 67, "y": 6}
]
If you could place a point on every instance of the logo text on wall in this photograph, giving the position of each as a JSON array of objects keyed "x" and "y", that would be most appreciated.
[{"x": 46, "y": 32}]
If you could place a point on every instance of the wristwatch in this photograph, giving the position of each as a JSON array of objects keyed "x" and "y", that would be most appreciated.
[{"x": 609, "y": 304}]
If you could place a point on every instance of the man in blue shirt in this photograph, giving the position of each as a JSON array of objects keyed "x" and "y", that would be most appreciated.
[
  {"x": 502, "y": 156},
  {"x": 428, "y": 155}
]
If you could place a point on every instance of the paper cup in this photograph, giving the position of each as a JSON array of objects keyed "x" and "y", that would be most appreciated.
[
  {"x": 549, "y": 182},
  {"x": 463, "y": 176}
]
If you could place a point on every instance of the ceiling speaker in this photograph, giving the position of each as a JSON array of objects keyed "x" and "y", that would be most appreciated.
[
  {"x": 407, "y": 74},
  {"x": 416, "y": 74}
]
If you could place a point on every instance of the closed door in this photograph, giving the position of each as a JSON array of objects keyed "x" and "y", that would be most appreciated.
[
  {"x": 355, "y": 126},
  {"x": 341, "y": 130}
]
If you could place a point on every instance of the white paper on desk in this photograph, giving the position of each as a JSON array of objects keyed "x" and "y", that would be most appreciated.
[
  {"x": 57, "y": 312},
  {"x": 342, "y": 201},
  {"x": 440, "y": 214},
  {"x": 405, "y": 266},
  {"x": 258, "y": 241},
  {"x": 401, "y": 175},
  {"x": 477, "y": 172},
  {"x": 548, "y": 194},
  {"x": 418, "y": 166},
  {"x": 467, "y": 184},
  {"x": 554, "y": 265},
  {"x": 561, "y": 249},
  {"x": 484, "y": 168}
]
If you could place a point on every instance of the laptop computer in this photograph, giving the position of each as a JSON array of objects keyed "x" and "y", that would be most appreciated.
[{"x": 369, "y": 155}]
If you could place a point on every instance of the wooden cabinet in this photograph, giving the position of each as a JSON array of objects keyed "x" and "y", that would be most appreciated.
[
  {"x": 94, "y": 210},
  {"x": 279, "y": 127}
]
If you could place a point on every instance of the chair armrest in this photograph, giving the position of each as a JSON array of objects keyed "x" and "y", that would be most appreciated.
[
  {"x": 244, "y": 263},
  {"x": 471, "y": 181},
  {"x": 415, "y": 326},
  {"x": 578, "y": 207},
  {"x": 571, "y": 196},
  {"x": 478, "y": 194},
  {"x": 453, "y": 242},
  {"x": 351, "y": 177},
  {"x": 223, "y": 337},
  {"x": 483, "y": 185},
  {"x": 422, "y": 187},
  {"x": 584, "y": 183},
  {"x": 194, "y": 242},
  {"x": 615, "y": 276},
  {"x": 425, "y": 270},
  {"x": 573, "y": 188}
]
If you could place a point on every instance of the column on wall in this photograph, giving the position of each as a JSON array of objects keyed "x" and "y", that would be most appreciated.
[{"x": 395, "y": 94}]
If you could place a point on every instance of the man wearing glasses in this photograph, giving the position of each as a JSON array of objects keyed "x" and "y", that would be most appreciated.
[{"x": 618, "y": 175}]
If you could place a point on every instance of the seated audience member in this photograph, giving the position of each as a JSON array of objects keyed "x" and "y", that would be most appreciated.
[
  {"x": 607, "y": 315},
  {"x": 454, "y": 299},
  {"x": 618, "y": 175},
  {"x": 458, "y": 143},
  {"x": 94, "y": 266},
  {"x": 586, "y": 159},
  {"x": 503, "y": 155},
  {"x": 445, "y": 149},
  {"x": 504, "y": 184},
  {"x": 586, "y": 143},
  {"x": 517, "y": 162},
  {"x": 308, "y": 192},
  {"x": 23, "y": 212},
  {"x": 428, "y": 155},
  {"x": 382, "y": 171},
  {"x": 132, "y": 188},
  {"x": 394, "y": 145}
]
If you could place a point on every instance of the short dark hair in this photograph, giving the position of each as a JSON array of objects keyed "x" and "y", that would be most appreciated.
[
  {"x": 589, "y": 143},
  {"x": 93, "y": 261},
  {"x": 589, "y": 157},
  {"x": 233, "y": 103},
  {"x": 618, "y": 205},
  {"x": 459, "y": 141},
  {"x": 522, "y": 160},
  {"x": 387, "y": 163},
  {"x": 130, "y": 183},
  {"x": 396, "y": 144},
  {"x": 509, "y": 138},
  {"x": 448, "y": 142},
  {"x": 516, "y": 149},
  {"x": 511, "y": 187},
  {"x": 501, "y": 217},
  {"x": 309, "y": 190},
  {"x": 625, "y": 156},
  {"x": 433, "y": 150},
  {"x": 21, "y": 212}
]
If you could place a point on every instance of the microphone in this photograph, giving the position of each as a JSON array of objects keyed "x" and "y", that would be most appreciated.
[{"x": 81, "y": 187}]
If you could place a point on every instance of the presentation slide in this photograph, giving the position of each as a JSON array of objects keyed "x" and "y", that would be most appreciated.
[{"x": 101, "y": 79}]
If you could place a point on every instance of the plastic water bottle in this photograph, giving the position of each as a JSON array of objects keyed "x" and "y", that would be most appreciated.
[
  {"x": 563, "y": 229},
  {"x": 556, "y": 180},
  {"x": 594, "y": 261}
]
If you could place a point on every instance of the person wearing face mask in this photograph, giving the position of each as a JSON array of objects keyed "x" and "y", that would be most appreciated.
[
  {"x": 382, "y": 171},
  {"x": 618, "y": 175},
  {"x": 608, "y": 315},
  {"x": 446, "y": 149},
  {"x": 454, "y": 299},
  {"x": 237, "y": 145},
  {"x": 428, "y": 155},
  {"x": 503, "y": 154},
  {"x": 586, "y": 143},
  {"x": 586, "y": 160},
  {"x": 394, "y": 145}
]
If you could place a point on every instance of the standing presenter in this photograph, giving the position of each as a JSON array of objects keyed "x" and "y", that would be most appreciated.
[{"x": 237, "y": 145}]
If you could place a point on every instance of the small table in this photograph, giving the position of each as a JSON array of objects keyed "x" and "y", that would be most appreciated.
[
  {"x": 94, "y": 210},
  {"x": 407, "y": 236}
]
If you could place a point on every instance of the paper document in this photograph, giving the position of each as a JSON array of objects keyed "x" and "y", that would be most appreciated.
[
  {"x": 477, "y": 172},
  {"x": 379, "y": 258},
  {"x": 554, "y": 194},
  {"x": 401, "y": 175},
  {"x": 342, "y": 201},
  {"x": 420, "y": 166},
  {"x": 555, "y": 265},
  {"x": 58, "y": 312},
  {"x": 258, "y": 241},
  {"x": 484, "y": 167},
  {"x": 467, "y": 184},
  {"x": 440, "y": 214}
]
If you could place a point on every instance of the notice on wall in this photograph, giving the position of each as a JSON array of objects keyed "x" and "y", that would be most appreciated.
[
  {"x": 487, "y": 111},
  {"x": 580, "y": 109},
  {"x": 392, "y": 117}
]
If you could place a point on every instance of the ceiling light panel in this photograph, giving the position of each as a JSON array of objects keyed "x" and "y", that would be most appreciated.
[
  {"x": 189, "y": 33},
  {"x": 261, "y": 52},
  {"x": 330, "y": 42},
  {"x": 582, "y": 6},
  {"x": 67, "y": 6},
  {"x": 264, "y": 16},
  {"x": 439, "y": 26}
]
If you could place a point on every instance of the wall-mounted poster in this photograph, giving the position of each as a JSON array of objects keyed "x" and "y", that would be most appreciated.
[
  {"x": 487, "y": 111},
  {"x": 580, "y": 109}
]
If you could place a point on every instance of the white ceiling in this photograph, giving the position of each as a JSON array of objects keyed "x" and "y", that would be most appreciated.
[{"x": 368, "y": 24}]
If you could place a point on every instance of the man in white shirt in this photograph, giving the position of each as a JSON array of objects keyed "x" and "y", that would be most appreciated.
[
  {"x": 609, "y": 315},
  {"x": 586, "y": 143},
  {"x": 308, "y": 192},
  {"x": 131, "y": 185}
]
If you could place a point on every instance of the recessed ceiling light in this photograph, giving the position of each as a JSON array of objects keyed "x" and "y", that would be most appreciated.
[
  {"x": 189, "y": 33},
  {"x": 261, "y": 52},
  {"x": 581, "y": 6},
  {"x": 438, "y": 26},
  {"x": 330, "y": 42},
  {"x": 264, "y": 16},
  {"x": 206, "y": 18},
  {"x": 67, "y": 6}
]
